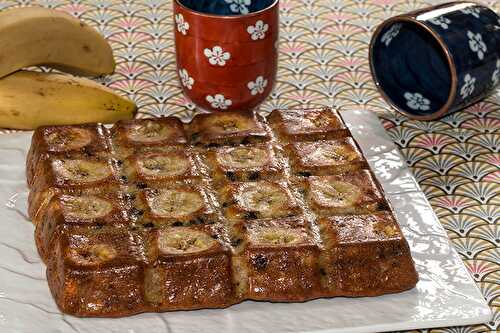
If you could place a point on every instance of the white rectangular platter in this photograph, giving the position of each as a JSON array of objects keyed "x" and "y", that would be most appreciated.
[{"x": 445, "y": 295}]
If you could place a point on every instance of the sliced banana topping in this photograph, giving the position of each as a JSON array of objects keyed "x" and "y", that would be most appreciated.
[
  {"x": 279, "y": 236},
  {"x": 81, "y": 170},
  {"x": 334, "y": 193},
  {"x": 387, "y": 229},
  {"x": 68, "y": 139},
  {"x": 149, "y": 132},
  {"x": 93, "y": 254},
  {"x": 86, "y": 207},
  {"x": 183, "y": 241},
  {"x": 176, "y": 203},
  {"x": 243, "y": 157},
  {"x": 163, "y": 165},
  {"x": 229, "y": 123},
  {"x": 332, "y": 153},
  {"x": 263, "y": 197}
]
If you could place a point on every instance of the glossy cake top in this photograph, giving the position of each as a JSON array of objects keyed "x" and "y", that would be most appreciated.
[{"x": 157, "y": 215}]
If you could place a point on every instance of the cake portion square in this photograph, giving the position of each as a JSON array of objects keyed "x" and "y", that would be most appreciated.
[
  {"x": 87, "y": 210},
  {"x": 174, "y": 205},
  {"x": 103, "y": 266},
  {"x": 349, "y": 193},
  {"x": 325, "y": 157},
  {"x": 129, "y": 136},
  {"x": 307, "y": 124},
  {"x": 257, "y": 200},
  {"x": 281, "y": 260},
  {"x": 243, "y": 163},
  {"x": 365, "y": 255},
  {"x": 190, "y": 270},
  {"x": 154, "y": 169},
  {"x": 82, "y": 141},
  {"x": 226, "y": 129}
]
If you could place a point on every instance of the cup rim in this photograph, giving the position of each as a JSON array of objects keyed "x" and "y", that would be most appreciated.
[
  {"x": 226, "y": 17},
  {"x": 446, "y": 51}
]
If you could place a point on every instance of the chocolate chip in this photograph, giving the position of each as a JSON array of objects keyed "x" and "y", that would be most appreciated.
[
  {"x": 177, "y": 224},
  {"x": 260, "y": 261},
  {"x": 236, "y": 242},
  {"x": 245, "y": 141},
  {"x": 141, "y": 185},
  {"x": 251, "y": 215},
  {"x": 195, "y": 137},
  {"x": 124, "y": 178},
  {"x": 322, "y": 271},
  {"x": 304, "y": 174},
  {"x": 149, "y": 225},
  {"x": 231, "y": 176},
  {"x": 254, "y": 175},
  {"x": 134, "y": 212}
]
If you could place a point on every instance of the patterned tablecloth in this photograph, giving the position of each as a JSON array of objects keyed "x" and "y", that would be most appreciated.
[{"x": 323, "y": 61}]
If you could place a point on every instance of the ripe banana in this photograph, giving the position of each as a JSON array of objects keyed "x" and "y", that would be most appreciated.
[
  {"x": 37, "y": 36},
  {"x": 31, "y": 99}
]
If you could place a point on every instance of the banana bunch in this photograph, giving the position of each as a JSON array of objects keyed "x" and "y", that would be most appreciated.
[{"x": 36, "y": 36}]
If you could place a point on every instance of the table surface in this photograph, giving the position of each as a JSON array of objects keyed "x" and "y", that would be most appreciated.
[{"x": 324, "y": 61}]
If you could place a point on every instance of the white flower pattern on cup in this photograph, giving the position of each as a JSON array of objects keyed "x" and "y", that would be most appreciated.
[
  {"x": 495, "y": 78},
  {"x": 219, "y": 101},
  {"x": 258, "y": 31},
  {"x": 468, "y": 87},
  {"x": 182, "y": 26},
  {"x": 258, "y": 86},
  {"x": 391, "y": 33},
  {"x": 474, "y": 11},
  {"x": 417, "y": 102},
  {"x": 217, "y": 56},
  {"x": 441, "y": 21},
  {"x": 476, "y": 44},
  {"x": 239, "y": 6},
  {"x": 186, "y": 80}
]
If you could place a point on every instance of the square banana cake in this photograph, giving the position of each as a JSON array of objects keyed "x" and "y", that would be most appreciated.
[{"x": 156, "y": 215}]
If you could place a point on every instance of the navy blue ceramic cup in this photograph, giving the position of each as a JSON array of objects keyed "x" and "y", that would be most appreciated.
[
  {"x": 437, "y": 60},
  {"x": 227, "y": 7}
]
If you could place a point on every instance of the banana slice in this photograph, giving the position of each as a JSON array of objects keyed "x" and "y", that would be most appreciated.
[
  {"x": 243, "y": 157},
  {"x": 86, "y": 207},
  {"x": 263, "y": 197},
  {"x": 176, "y": 203},
  {"x": 333, "y": 153},
  {"x": 148, "y": 132},
  {"x": 229, "y": 123},
  {"x": 68, "y": 139},
  {"x": 93, "y": 254},
  {"x": 81, "y": 170},
  {"x": 163, "y": 165},
  {"x": 334, "y": 193},
  {"x": 279, "y": 236},
  {"x": 320, "y": 119},
  {"x": 387, "y": 229},
  {"x": 183, "y": 241}
]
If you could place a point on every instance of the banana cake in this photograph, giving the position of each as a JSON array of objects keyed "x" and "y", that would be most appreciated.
[{"x": 155, "y": 215}]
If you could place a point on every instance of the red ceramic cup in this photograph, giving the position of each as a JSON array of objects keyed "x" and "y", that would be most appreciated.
[{"x": 226, "y": 62}]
